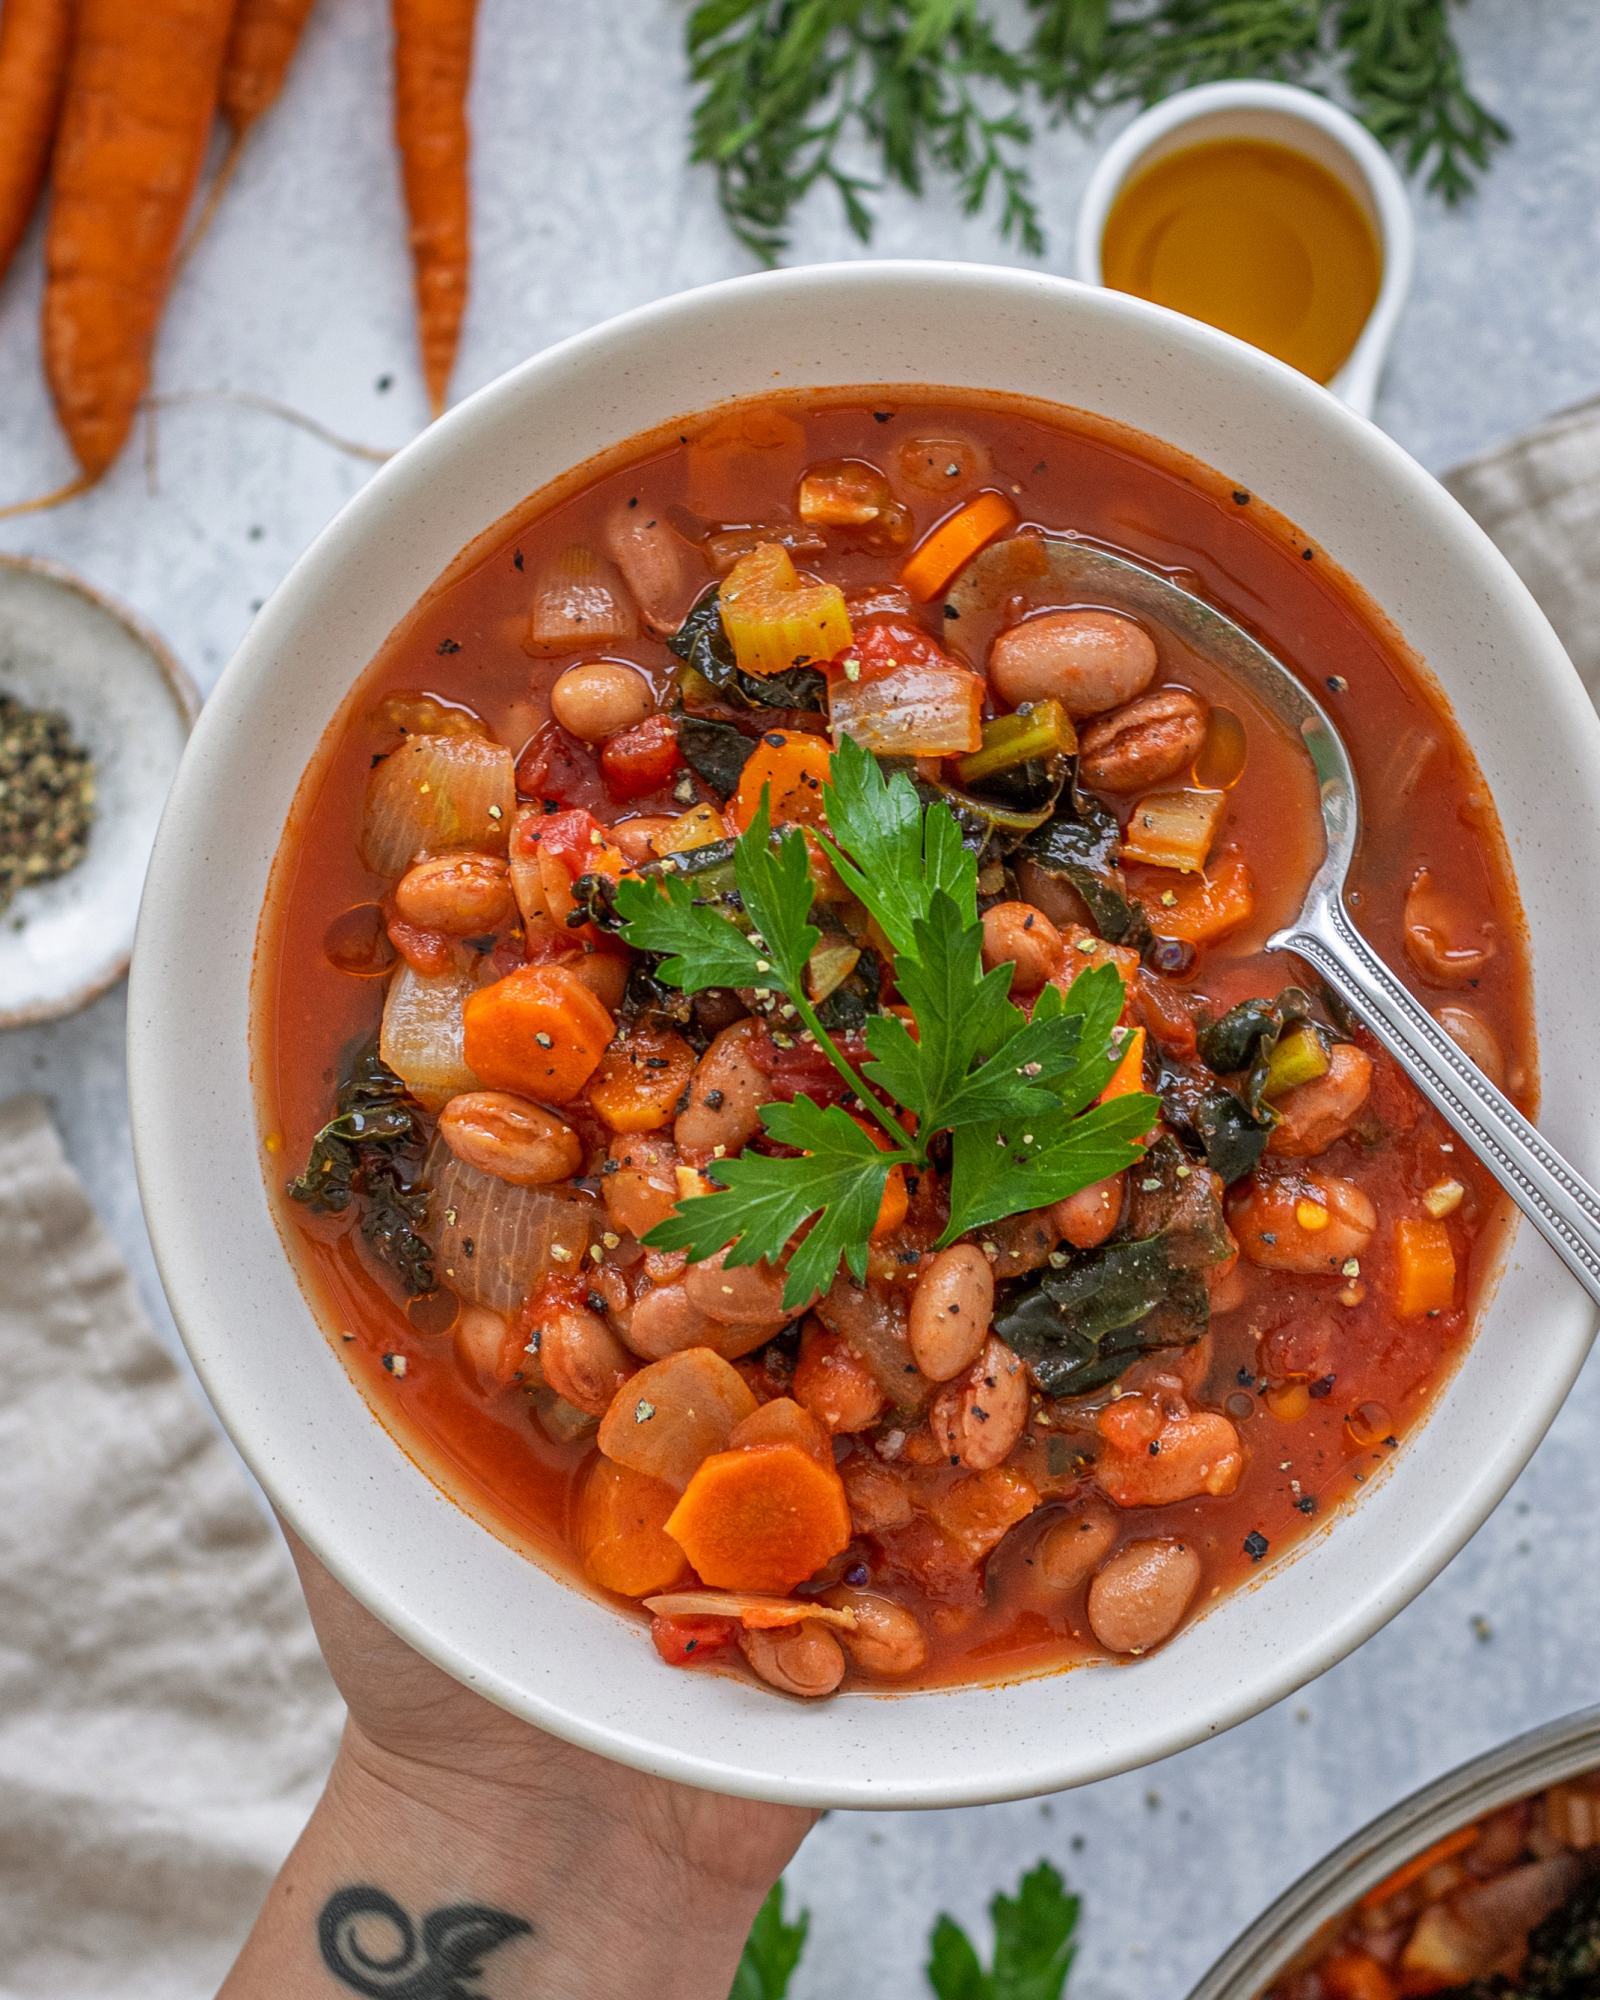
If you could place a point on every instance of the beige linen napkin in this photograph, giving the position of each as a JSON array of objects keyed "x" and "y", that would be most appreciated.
[
  {"x": 165, "y": 1722},
  {"x": 165, "y": 1718}
]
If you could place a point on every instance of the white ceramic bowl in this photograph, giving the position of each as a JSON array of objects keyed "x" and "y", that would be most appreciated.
[
  {"x": 1287, "y": 116},
  {"x": 433, "y": 1573}
]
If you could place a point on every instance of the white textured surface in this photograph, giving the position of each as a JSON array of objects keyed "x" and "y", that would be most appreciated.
[{"x": 584, "y": 208}]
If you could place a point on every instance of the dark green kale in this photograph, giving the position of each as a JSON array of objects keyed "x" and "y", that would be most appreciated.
[
  {"x": 1082, "y": 844},
  {"x": 1081, "y": 1328},
  {"x": 1241, "y": 1042},
  {"x": 715, "y": 751},
  {"x": 700, "y": 642},
  {"x": 370, "y": 1154},
  {"x": 1213, "y": 1120}
]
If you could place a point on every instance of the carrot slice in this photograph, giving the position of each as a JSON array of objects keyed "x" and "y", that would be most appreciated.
[
  {"x": 622, "y": 1531},
  {"x": 791, "y": 768},
  {"x": 539, "y": 1031},
  {"x": 761, "y": 1519},
  {"x": 1444, "y": 1849},
  {"x": 640, "y": 1079},
  {"x": 1201, "y": 909},
  {"x": 954, "y": 542},
  {"x": 674, "y": 1414},
  {"x": 1425, "y": 1267},
  {"x": 1128, "y": 1076},
  {"x": 782, "y": 1421}
]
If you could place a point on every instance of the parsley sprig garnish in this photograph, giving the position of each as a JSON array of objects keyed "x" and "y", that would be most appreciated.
[{"x": 1007, "y": 1097}]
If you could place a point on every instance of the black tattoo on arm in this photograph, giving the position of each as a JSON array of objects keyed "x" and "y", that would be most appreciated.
[{"x": 370, "y": 1944}]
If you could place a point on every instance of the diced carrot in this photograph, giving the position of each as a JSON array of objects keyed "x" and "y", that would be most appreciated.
[
  {"x": 761, "y": 1519},
  {"x": 1128, "y": 1076},
  {"x": 791, "y": 768},
  {"x": 622, "y": 1531},
  {"x": 1425, "y": 1267},
  {"x": 977, "y": 1511},
  {"x": 641, "y": 759},
  {"x": 1355, "y": 1975},
  {"x": 782, "y": 1421},
  {"x": 1446, "y": 1848},
  {"x": 954, "y": 542},
  {"x": 641, "y": 1078},
  {"x": 674, "y": 1414},
  {"x": 539, "y": 1031},
  {"x": 1201, "y": 909}
]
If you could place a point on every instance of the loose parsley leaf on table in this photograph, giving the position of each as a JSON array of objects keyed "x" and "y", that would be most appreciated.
[
  {"x": 1033, "y": 1949},
  {"x": 1011, "y": 1092},
  {"x": 771, "y": 1952}
]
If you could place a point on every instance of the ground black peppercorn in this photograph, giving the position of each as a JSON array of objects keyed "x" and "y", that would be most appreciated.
[{"x": 47, "y": 796}]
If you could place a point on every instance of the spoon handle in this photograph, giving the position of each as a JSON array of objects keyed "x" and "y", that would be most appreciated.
[{"x": 1555, "y": 1198}]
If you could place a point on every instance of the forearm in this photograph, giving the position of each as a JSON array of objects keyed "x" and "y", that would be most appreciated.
[{"x": 440, "y": 1887}]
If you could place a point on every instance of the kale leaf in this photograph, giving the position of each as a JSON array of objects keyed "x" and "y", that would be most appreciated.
[
  {"x": 370, "y": 1153},
  {"x": 1213, "y": 1119},
  {"x": 1082, "y": 846},
  {"x": 701, "y": 643},
  {"x": 1243, "y": 1040},
  {"x": 715, "y": 751}
]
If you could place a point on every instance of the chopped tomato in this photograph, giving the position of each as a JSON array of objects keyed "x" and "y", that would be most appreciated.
[
  {"x": 426, "y": 952},
  {"x": 641, "y": 759},
  {"x": 884, "y": 643},
  {"x": 683, "y": 1642},
  {"x": 556, "y": 769}
]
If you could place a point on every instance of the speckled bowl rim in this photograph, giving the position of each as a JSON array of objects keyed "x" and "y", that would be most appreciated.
[
  {"x": 464, "y": 1599},
  {"x": 1548, "y": 1755},
  {"x": 186, "y": 698}
]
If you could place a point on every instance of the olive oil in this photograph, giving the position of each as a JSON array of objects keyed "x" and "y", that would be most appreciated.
[{"x": 1252, "y": 237}]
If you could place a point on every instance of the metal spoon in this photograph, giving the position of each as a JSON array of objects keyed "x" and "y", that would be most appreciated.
[{"x": 1556, "y": 1199}]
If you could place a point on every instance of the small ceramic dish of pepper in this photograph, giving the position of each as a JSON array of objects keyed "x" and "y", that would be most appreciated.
[{"x": 94, "y": 714}]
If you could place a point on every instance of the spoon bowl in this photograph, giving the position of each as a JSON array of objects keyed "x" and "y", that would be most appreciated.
[{"x": 1562, "y": 1206}]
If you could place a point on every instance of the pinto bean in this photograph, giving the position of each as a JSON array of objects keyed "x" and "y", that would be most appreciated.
[
  {"x": 1139, "y": 1596},
  {"x": 952, "y": 1309},
  {"x": 1448, "y": 942},
  {"x": 1087, "y": 1218},
  {"x": 887, "y": 1641},
  {"x": 979, "y": 1417},
  {"x": 804, "y": 1659},
  {"x": 1155, "y": 1458},
  {"x": 1023, "y": 937},
  {"x": 640, "y": 1184},
  {"x": 1308, "y": 1222},
  {"x": 507, "y": 1136},
  {"x": 1089, "y": 661},
  {"x": 599, "y": 697},
  {"x": 664, "y": 1320},
  {"x": 1313, "y": 1115},
  {"x": 726, "y": 1094},
  {"x": 1472, "y": 1034},
  {"x": 583, "y": 1360},
  {"x": 1073, "y": 1546},
  {"x": 747, "y": 1295},
  {"x": 1143, "y": 743},
  {"x": 463, "y": 895},
  {"x": 833, "y": 1382}
]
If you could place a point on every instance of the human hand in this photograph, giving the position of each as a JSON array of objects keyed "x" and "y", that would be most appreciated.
[{"x": 584, "y": 1878}]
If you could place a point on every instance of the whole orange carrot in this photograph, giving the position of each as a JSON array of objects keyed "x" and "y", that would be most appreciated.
[
  {"x": 34, "y": 36},
  {"x": 432, "y": 67},
  {"x": 141, "y": 91},
  {"x": 261, "y": 45}
]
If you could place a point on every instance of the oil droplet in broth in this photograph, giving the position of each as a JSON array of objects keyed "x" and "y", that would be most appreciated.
[{"x": 1252, "y": 237}]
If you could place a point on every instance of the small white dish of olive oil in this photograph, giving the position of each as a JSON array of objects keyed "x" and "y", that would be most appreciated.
[{"x": 1264, "y": 210}]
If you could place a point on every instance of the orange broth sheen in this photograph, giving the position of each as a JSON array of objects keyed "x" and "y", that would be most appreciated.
[{"x": 1424, "y": 802}]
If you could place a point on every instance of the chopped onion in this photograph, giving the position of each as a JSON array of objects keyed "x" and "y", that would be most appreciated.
[
  {"x": 756, "y": 1614},
  {"x": 495, "y": 1243},
  {"x": 437, "y": 792},
  {"x": 579, "y": 601},
  {"x": 664, "y": 572},
  {"x": 423, "y": 1032},
  {"x": 1174, "y": 829},
  {"x": 911, "y": 711}
]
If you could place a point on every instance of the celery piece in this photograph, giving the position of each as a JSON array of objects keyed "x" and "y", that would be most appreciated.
[
  {"x": 1041, "y": 730},
  {"x": 1300, "y": 1057}
]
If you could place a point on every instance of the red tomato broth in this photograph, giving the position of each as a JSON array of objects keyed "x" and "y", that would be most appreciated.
[{"x": 463, "y": 643}]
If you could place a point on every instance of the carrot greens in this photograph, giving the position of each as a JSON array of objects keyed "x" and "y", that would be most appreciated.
[{"x": 1003, "y": 1098}]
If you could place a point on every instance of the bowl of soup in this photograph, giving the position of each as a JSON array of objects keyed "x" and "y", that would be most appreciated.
[
  {"x": 1485, "y": 1883},
  {"x": 634, "y": 1312}
]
